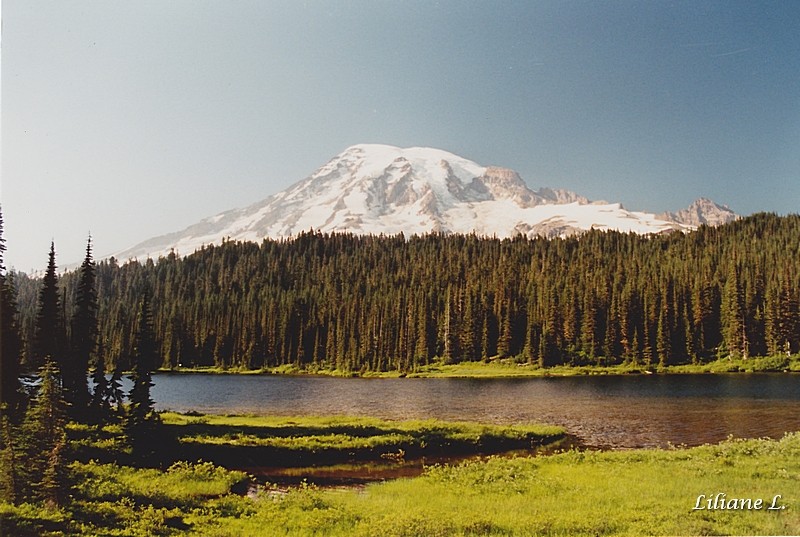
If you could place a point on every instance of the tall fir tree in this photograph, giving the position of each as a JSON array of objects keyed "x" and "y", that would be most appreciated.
[
  {"x": 49, "y": 335},
  {"x": 468, "y": 340},
  {"x": 663, "y": 349},
  {"x": 83, "y": 338},
  {"x": 10, "y": 343},
  {"x": 506, "y": 332},
  {"x": 732, "y": 315},
  {"x": 422, "y": 350},
  {"x": 450, "y": 333},
  {"x": 140, "y": 419}
]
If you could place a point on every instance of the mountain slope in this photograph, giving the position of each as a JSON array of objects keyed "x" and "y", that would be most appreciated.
[{"x": 375, "y": 189}]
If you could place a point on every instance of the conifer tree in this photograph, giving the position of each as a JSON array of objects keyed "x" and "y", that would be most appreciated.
[
  {"x": 485, "y": 337},
  {"x": 733, "y": 327},
  {"x": 99, "y": 405},
  {"x": 140, "y": 419},
  {"x": 504, "y": 340},
  {"x": 422, "y": 349},
  {"x": 115, "y": 397},
  {"x": 783, "y": 317},
  {"x": 10, "y": 479},
  {"x": 663, "y": 349},
  {"x": 84, "y": 338},
  {"x": 468, "y": 336},
  {"x": 46, "y": 439},
  {"x": 635, "y": 351},
  {"x": 589, "y": 324},
  {"x": 49, "y": 336},
  {"x": 529, "y": 352},
  {"x": 10, "y": 344},
  {"x": 450, "y": 334},
  {"x": 551, "y": 342}
]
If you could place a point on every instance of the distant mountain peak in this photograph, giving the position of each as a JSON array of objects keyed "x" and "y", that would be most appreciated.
[
  {"x": 383, "y": 189},
  {"x": 702, "y": 211}
]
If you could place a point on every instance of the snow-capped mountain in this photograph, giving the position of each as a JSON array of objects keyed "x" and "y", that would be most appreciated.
[
  {"x": 702, "y": 212},
  {"x": 375, "y": 189}
]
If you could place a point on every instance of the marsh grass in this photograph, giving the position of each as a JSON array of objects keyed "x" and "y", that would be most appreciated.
[
  {"x": 636, "y": 492},
  {"x": 181, "y": 483},
  {"x": 108, "y": 499},
  {"x": 258, "y": 441},
  {"x": 641, "y": 492},
  {"x": 299, "y": 441}
]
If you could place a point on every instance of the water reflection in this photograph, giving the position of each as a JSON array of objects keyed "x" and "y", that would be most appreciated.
[{"x": 622, "y": 411}]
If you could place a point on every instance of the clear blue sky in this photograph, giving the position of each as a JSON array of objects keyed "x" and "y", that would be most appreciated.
[{"x": 131, "y": 119}]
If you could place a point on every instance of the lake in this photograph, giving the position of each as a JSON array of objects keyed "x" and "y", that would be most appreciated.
[{"x": 602, "y": 411}]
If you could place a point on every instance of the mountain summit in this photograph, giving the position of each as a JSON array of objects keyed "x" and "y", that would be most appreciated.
[{"x": 374, "y": 189}]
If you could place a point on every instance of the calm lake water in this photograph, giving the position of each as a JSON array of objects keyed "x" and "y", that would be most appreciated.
[{"x": 617, "y": 412}]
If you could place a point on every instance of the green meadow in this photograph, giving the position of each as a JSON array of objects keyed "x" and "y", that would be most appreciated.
[{"x": 636, "y": 492}]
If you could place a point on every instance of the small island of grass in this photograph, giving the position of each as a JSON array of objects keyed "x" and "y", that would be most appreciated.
[
  {"x": 247, "y": 441},
  {"x": 252, "y": 441}
]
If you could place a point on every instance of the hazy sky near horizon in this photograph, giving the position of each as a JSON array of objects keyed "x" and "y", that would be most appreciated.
[{"x": 130, "y": 119}]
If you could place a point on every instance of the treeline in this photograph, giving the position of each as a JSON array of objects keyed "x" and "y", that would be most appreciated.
[{"x": 375, "y": 303}]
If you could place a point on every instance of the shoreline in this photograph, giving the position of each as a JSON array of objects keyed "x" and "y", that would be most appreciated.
[{"x": 508, "y": 368}]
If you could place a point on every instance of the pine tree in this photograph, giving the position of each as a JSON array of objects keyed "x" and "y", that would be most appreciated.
[
  {"x": 506, "y": 334},
  {"x": 589, "y": 324},
  {"x": 783, "y": 317},
  {"x": 99, "y": 404},
  {"x": 422, "y": 350},
  {"x": 635, "y": 351},
  {"x": 9, "y": 469},
  {"x": 140, "y": 419},
  {"x": 663, "y": 349},
  {"x": 468, "y": 336},
  {"x": 49, "y": 336},
  {"x": 10, "y": 343},
  {"x": 485, "y": 336},
  {"x": 571, "y": 323},
  {"x": 50, "y": 489},
  {"x": 449, "y": 337},
  {"x": 115, "y": 397},
  {"x": 529, "y": 350},
  {"x": 551, "y": 341},
  {"x": 45, "y": 436},
  {"x": 84, "y": 338},
  {"x": 733, "y": 326}
]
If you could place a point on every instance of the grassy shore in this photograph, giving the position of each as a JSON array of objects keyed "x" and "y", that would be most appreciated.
[
  {"x": 638, "y": 492},
  {"x": 509, "y": 367},
  {"x": 249, "y": 441},
  {"x": 265, "y": 441}
]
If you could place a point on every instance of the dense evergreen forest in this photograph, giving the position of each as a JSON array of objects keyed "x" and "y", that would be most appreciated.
[{"x": 375, "y": 303}]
